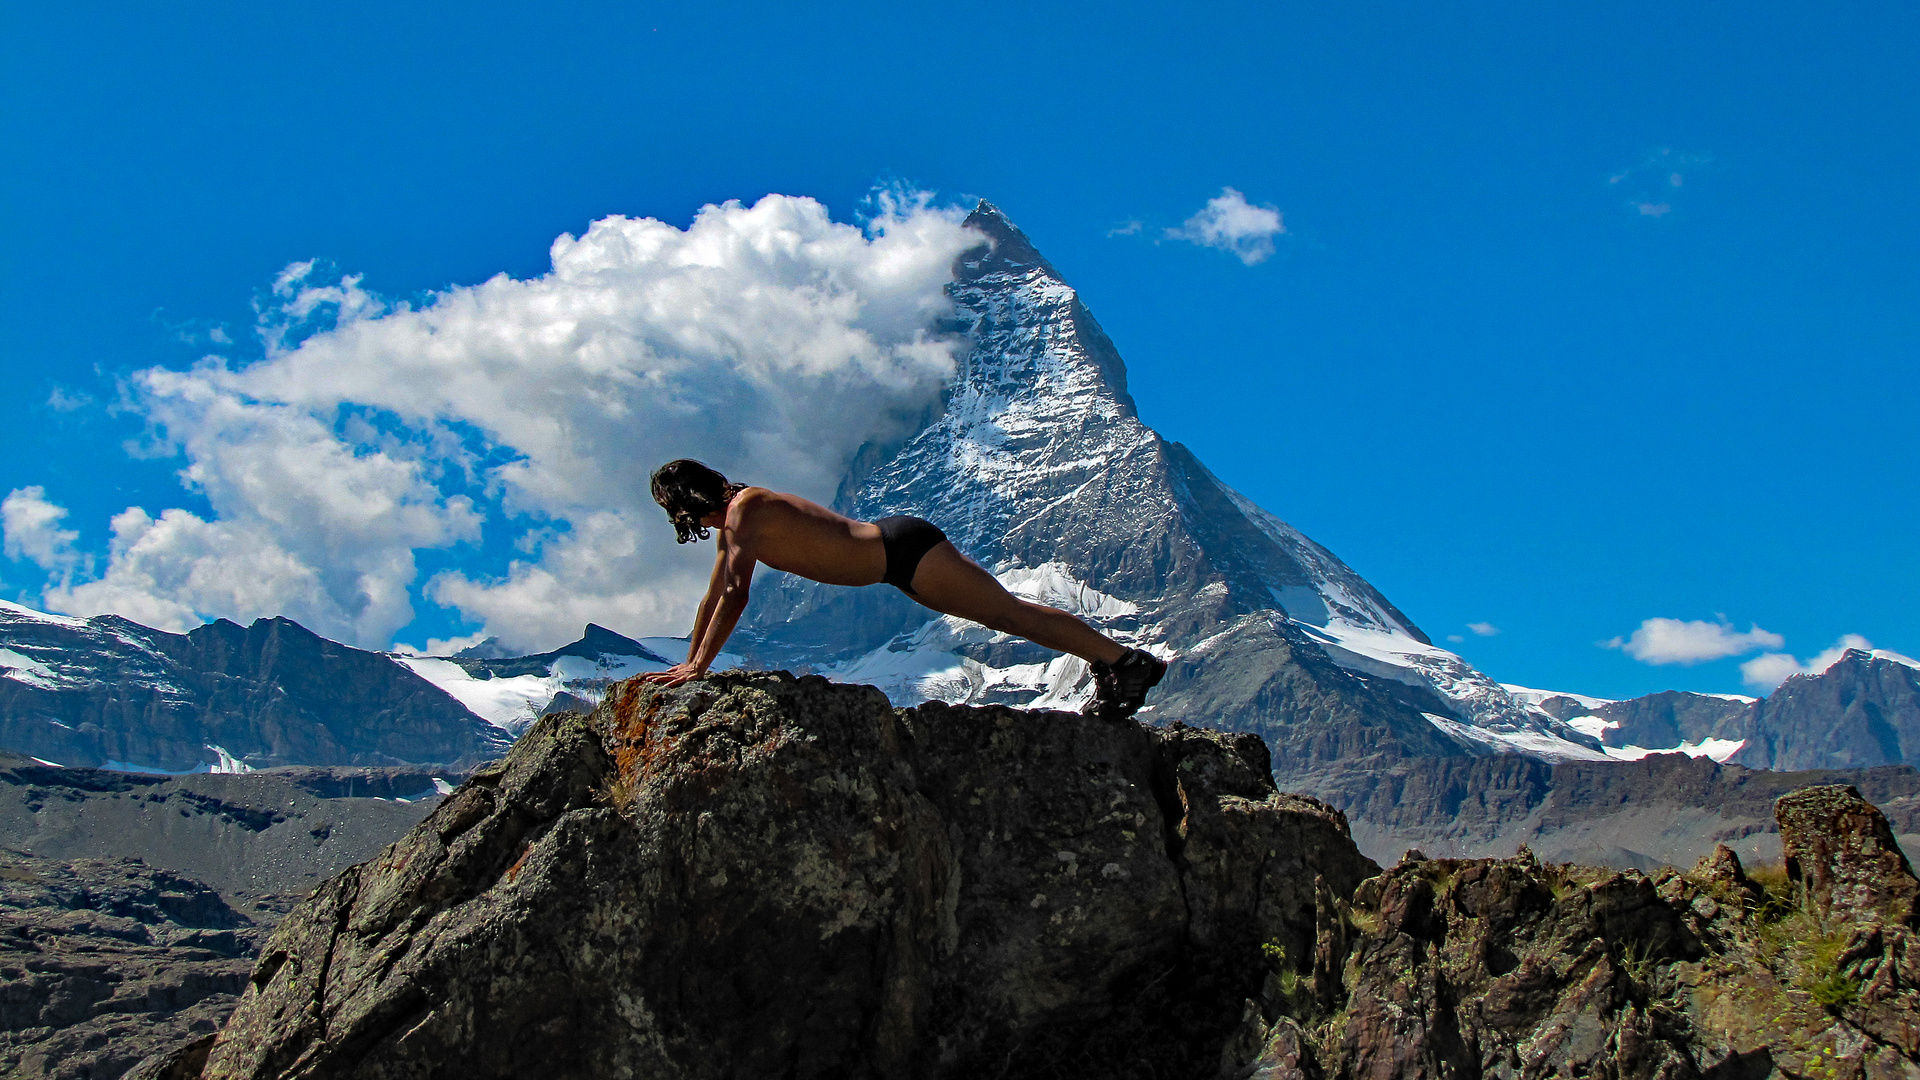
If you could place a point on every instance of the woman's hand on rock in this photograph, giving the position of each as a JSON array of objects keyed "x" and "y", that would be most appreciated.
[{"x": 676, "y": 675}]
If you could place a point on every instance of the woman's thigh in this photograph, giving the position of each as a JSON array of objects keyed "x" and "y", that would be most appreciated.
[{"x": 949, "y": 582}]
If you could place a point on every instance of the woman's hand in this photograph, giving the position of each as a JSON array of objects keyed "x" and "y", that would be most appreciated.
[{"x": 676, "y": 675}]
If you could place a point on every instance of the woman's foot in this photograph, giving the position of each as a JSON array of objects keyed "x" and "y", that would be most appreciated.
[{"x": 1120, "y": 688}]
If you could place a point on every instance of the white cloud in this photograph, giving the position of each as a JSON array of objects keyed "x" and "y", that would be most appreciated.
[
  {"x": 1483, "y": 629},
  {"x": 1767, "y": 671},
  {"x": 1456, "y": 638},
  {"x": 33, "y": 532},
  {"x": 1129, "y": 227},
  {"x": 62, "y": 399},
  {"x": 767, "y": 340},
  {"x": 1233, "y": 225},
  {"x": 1653, "y": 186},
  {"x": 1672, "y": 641}
]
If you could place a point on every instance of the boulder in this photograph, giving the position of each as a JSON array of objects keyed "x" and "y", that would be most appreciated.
[
  {"x": 757, "y": 875},
  {"x": 1841, "y": 853}
]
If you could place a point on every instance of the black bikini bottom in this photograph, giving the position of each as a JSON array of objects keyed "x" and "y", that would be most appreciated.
[{"x": 906, "y": 541}]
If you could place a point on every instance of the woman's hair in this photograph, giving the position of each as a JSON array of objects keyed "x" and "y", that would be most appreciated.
[{"x": 688, "y": 491}]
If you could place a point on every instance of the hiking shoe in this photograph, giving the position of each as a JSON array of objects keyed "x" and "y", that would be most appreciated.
[{"x": 1120, "y": 688}]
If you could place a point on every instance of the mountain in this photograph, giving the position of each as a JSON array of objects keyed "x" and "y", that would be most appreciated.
[
  {"x": 1037, "y": 466},
  {"x": 511, "y": 692},
  {"x": 1862, "y": 711},
  {"x": 108, "y": 692},
  {"x": 1663, "y": 809},
  {"x": 1675, "y": 721}
]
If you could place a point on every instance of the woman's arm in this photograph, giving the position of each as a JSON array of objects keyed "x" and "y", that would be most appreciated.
[
  {"x": 726, "y": 598},
  {"x": 733, "y": 575},
  {"x": 702, "y": 619},
  {"x": 705, "y": 615}
]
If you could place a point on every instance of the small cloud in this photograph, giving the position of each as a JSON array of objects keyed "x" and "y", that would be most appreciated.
[
  {"x": 1651, "y": 186},
  {"x": 219, "y": 336},
  {"x": 1233, "y": 225},
  {"x": 1129, "y": 227},
  {"x": 32, "y": 530},
  {"x": 442, "y": 646},
  {"x": 1483, "y": 629},
  {"x": 1768, "y": 670},
  {"x": 65, "y": 400},
  {"x": 1455, "y": 638},
  {"x": 1673, "y": 641}
]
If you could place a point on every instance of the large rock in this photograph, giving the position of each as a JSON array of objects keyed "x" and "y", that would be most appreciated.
[
  {"x": 759, "y": 876},
  {"x": 1841, "y": 852}
]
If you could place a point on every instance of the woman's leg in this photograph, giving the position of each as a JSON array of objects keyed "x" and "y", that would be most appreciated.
[{"x": 951, "y": 583}]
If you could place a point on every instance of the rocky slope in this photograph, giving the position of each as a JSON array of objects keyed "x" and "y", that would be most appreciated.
[
  {"x": 106, "y": 962},
  {"x": 254, "y": 837},
  {"x": 763, "y": 876},
  {"x": 107, "y": 692},
  {"x": 759, "y": 875},
  {"x": 132, "y": 906}
]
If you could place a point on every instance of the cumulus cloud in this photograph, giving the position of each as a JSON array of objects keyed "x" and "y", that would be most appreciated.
[
  {"x": 32, "y": 530},
  {"x": 1483, "y": 629},
  {"x": 1673, "y": 641},
  {"x": 1767, "y": 671},
  {"x": 768, "y": 340},
  {"x": 1230, "y": 223}
]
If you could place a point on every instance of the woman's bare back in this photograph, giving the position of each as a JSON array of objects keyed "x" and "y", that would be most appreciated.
[{"x": 801, "y": 537}]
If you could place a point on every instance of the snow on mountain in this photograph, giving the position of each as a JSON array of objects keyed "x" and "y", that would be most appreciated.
[{"x": 512, "y": 692}]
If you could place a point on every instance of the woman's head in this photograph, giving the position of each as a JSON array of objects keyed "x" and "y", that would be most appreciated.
[{"x": 688, "y": 491}]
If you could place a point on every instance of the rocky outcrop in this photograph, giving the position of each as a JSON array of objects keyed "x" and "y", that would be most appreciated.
[
  {"x": 1841, "y": 852},
  {"x": 109, "y": 692},
  {"x": 105, "y": 962},
  {"x": 757, "y": 875},
  {"x": 1515, "y": 968}
]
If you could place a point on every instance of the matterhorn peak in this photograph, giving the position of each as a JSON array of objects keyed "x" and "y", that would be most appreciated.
[{"x": 1039, "y": 468}]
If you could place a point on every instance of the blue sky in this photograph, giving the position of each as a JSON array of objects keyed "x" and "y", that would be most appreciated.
[{"x": 1579, "y": 318}]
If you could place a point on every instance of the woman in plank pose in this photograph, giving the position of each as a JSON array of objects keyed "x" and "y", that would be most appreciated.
[{"x": 790, "y": 533}]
